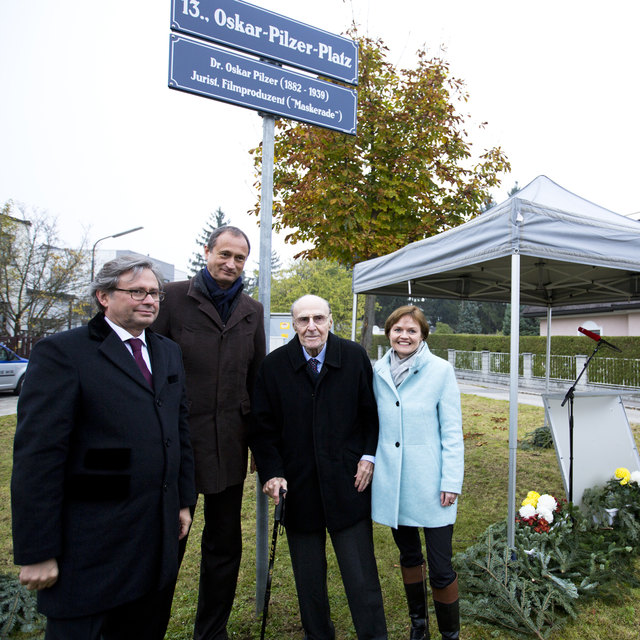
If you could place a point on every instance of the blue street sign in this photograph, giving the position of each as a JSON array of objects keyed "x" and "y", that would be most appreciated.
[
  {"x": 218, "y": 73},
  {"x": 249, "y": 28}
]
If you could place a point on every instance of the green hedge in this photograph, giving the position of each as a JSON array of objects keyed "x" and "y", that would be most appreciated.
[{"x": 560, "y": 345}]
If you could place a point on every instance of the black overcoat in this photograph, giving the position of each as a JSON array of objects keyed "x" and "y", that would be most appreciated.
[
  {"x": 313, "y": 432},
  {"x": 102, "y": 466}
]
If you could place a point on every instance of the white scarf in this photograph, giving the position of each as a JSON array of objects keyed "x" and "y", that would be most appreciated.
[{"x": 399, "y": 367}]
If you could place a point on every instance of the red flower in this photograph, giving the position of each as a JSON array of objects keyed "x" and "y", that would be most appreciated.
[{"x": 542, "y": 527}]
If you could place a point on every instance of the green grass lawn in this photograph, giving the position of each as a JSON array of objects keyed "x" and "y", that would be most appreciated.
[{"x": 484, "y": 501}]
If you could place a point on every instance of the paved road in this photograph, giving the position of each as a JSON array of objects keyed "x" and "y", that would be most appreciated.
[
  {"x": 499, "y": 393},
  {"x": 8, "y": 401},
  {"x": 502, "y": 393}
]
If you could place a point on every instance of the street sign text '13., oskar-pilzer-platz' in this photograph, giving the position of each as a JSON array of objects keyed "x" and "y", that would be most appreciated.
[
  {"x": 255, "y": 30},
  {"x": 219, "y": 73},
  {"x": 216, "y": 72}
]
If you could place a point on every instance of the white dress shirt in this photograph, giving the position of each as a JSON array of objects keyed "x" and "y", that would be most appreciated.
[{"x": 124, "y": 335}]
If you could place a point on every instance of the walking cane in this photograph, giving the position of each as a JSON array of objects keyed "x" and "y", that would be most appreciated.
[{"x": 278, "y": 520}]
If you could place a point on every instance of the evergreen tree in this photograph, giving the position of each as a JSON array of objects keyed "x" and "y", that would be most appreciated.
[
  {"x": 18, "y": 609},
  {"x": 468, "y": 321},
  {"x": 506, "y": 321},
  {"x": 528, "y": 326},
  {"x": 215, "y": 221},
  {"x": 442, "y": 311},
  {"x": 385, "y": 305},
  {"x": 491, "y": 315},
  {"x": 251, "y": 281}
]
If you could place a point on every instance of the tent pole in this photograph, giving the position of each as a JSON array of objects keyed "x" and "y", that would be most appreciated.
[
  {"x": 353, "y": 317},
  {"x": 513, "y": 395},
  {"x": 548, "y": 364}
]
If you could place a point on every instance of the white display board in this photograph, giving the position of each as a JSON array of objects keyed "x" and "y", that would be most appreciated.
[{"x": 602, "y": 438}]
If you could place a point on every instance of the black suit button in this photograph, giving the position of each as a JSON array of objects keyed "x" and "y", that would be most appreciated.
[
  {"x": 167, "y": 442},
  {"x": 159, "y": 402},
  {"x": 397, "y": 444},
  {"x": 165, "y": 486},
  {"x": 397, "y": 403}
]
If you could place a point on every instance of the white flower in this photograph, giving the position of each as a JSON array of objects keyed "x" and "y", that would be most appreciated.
[
  {"x": 635, "y": 476},
  {"x": 527, "y": 511},
  {"x": 547, "y": 503},
  {"x": 545, "y": 513}
]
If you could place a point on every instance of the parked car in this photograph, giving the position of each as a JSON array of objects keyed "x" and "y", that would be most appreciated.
[{"x": 12, "y": 370}]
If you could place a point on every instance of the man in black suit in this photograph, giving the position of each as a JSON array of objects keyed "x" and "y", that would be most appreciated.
[
  {"x": 314, "y": 434},
  {"x": 103, "y": 469}
]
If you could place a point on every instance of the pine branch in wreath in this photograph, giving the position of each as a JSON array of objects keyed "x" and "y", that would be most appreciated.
[{"x": 17, "y": 608}]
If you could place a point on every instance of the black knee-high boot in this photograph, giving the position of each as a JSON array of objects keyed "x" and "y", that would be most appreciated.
[
  {"x": 415, "y": 588},
  {"x": 445, "y": 602}
]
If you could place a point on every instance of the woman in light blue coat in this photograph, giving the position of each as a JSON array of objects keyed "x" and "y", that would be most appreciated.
[{"x": 419, "y": 466}]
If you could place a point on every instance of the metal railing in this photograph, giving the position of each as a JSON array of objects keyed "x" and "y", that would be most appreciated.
[
  {"x": 606, "y": 372},
  {"x": 619, "y": 372},
  {"x": 560, "y": 367},
  {"x": 501, "y": 362},
  {"x": 468, "y": 360}
]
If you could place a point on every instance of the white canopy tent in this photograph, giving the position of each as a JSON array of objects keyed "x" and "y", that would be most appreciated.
[{"x": 554, "y": 246}]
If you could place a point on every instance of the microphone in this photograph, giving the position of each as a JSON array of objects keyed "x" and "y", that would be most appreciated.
[{"x": 598, "y": 338}]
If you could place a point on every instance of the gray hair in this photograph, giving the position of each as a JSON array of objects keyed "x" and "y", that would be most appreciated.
[
  {"x": 109, "y": 276},
  {"x": 234, "y": 231},
  {"x": 309, "y": 295}
]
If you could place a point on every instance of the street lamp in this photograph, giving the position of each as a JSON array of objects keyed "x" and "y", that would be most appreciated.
[{"x": 115, "y": 235}]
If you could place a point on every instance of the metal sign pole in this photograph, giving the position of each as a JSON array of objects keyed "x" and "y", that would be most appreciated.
[
  {"x": 264, "y": 296},
  {"x": 217, "y": 73},
  {"x": 513, "y": 395}
]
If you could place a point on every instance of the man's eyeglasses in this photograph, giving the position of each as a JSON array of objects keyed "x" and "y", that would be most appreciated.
[
  {"x": 303, "y": 321},
  {"x": 141, "y": 294}
]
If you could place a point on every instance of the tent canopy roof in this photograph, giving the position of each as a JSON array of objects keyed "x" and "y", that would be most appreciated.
[{"x": 571, "y": 252}]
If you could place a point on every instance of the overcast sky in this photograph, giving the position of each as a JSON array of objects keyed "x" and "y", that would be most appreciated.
[{"x": 90, "y": 132}]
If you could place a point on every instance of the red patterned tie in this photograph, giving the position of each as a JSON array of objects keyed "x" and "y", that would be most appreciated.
[
  {"x": 313, "y": 364},
  {"x": 136, "y": 347}
]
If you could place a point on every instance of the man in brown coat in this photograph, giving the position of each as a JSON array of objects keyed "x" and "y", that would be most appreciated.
[{"x": 221, "y": 333}]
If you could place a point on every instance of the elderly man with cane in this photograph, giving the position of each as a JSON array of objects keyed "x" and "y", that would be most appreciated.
[{"x": 314, "y": 430}]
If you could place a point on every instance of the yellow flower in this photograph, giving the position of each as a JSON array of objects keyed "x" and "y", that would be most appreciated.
[
  {"x": 623, "y": 475},
  {"x": 532, "y": 499}
]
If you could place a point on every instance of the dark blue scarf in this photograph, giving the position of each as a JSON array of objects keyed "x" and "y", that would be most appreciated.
[{"x": 222, "y": 298}]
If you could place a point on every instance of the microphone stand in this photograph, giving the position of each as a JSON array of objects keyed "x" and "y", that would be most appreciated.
[{"x": 569, "y": 397}]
